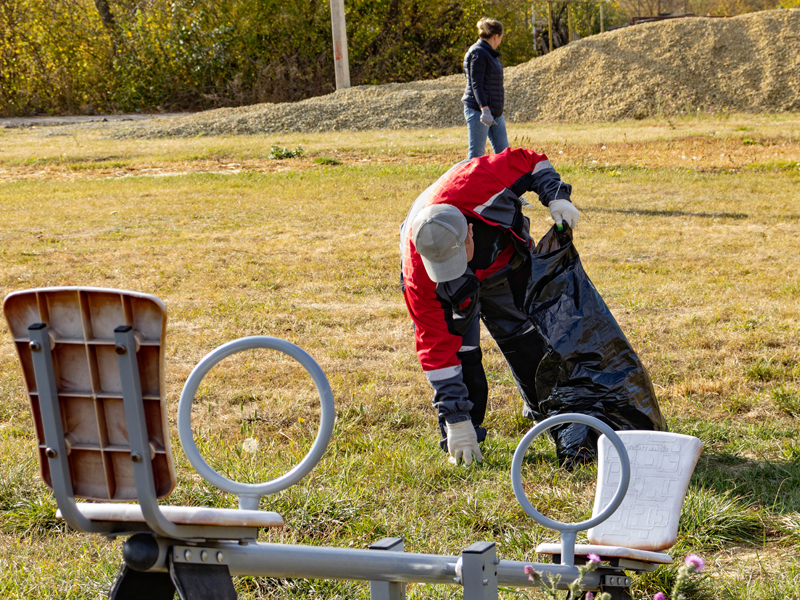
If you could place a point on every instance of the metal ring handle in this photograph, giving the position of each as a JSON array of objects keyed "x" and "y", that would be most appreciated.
[
  {"x": 250, "y": 493},
  {"x": 519, "y": 455}
]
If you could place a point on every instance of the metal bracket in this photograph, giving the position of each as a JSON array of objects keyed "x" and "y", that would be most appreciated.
[
  {"x": 195, "y": 581},
  {"x": 479, "y": 571},
  {"x": 629, "y": 564},
  {"x": 195, "y": 555},
  {"x": 616, "y": 581},
  {"x": 387, "y": 590}
]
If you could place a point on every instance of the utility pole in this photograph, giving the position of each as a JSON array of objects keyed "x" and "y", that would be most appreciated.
[
  {"x": 601, "y": 17},
  {"x": 341, "y": 62},
  {"x": 569, "y": 23}
]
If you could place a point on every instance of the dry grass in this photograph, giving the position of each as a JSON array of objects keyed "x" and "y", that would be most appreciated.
[{"x": 688, "y": 230}]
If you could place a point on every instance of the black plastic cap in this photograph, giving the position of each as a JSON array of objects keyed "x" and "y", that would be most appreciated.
[{"x": 140, "y": 552}]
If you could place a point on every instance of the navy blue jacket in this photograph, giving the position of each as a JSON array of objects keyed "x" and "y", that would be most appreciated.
[{"x": 484, "y": 78}]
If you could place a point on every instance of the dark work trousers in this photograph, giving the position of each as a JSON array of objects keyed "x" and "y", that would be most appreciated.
[{"x": 518, "y": 340}]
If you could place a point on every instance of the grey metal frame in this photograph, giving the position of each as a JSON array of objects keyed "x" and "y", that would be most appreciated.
[
  {"x": 569, "y": 531},
  {"x": 321, "y": 562},
  {"x": 387, "y": 590},
  {"x": 175, "y": 547},
  {"x": 125, "y": 347},
  {"x": 250, "y": 494},
  {"x": 56, "y": 447}
]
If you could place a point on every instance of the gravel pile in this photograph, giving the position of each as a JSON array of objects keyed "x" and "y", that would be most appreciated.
[{"x": 748, "y": 63}]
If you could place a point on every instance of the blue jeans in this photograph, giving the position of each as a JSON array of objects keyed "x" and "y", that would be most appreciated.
[{"x": 478, "y": 132}]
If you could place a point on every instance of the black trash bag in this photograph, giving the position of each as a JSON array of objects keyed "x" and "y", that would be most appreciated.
[{"x": 590, "y": 367}]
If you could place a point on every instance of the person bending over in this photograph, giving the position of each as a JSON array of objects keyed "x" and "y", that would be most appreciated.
[{"x": 465, "y": 256}]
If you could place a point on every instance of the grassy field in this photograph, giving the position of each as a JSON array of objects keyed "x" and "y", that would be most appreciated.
[{"x": 689, "y": 230}]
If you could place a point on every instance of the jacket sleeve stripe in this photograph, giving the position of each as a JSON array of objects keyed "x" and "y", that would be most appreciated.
[
  {"x": 482, "y": 207},
  {"x": 445, "y": 373}
]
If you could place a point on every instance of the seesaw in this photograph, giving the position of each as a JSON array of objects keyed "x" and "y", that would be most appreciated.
[{"x": 93, "y": 362}]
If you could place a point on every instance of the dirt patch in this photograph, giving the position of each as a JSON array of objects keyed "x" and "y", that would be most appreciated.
[
  {"x": 708, "y": 153},
  {"x": 26, "y": 122}
]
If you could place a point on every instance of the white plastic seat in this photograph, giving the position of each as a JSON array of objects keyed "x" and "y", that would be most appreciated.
[{"x": 647, "y": 520}]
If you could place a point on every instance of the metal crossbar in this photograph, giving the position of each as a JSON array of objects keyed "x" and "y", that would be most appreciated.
[{"x": 478, "y": 567}]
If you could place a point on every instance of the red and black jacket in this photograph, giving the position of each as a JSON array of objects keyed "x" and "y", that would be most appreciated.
[{"x": 487, "y": 191}]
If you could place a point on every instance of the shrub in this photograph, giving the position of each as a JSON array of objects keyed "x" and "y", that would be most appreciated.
[{"x": 279, "y": 153}]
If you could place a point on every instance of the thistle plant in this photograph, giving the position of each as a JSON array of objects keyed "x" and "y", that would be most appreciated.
[
  {"x": 576, "y": 588},
  {"x": 692, "y": 564}
]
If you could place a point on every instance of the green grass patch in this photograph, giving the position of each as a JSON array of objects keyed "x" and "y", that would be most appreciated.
[
  {"x": 702, "y": 284},
  {"x": 327, "y": 160},
  {"x": 787, "y": 400},
  {"x": 789, "y": 166}
]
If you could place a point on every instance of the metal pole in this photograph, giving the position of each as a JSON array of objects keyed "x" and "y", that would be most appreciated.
[
  {"x": 341, "y": 61},
  {"x": 56, "y": 449},
  {"x": 533, "y": 19},
  {"x": 479, "y": 571},
  {"x": 387, "y": 590},
  {"x": 550, "y": 24},
  {"x": 320, "y": 562},
  {"x": 136, "y": 423}
]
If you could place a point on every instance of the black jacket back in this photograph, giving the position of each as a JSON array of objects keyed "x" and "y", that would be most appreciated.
[{"x": 484, "y": 74}]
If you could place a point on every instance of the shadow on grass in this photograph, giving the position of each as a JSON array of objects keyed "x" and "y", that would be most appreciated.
[
  {"x": 671, "y": 213},
  {"x": 773, "y": 486}
]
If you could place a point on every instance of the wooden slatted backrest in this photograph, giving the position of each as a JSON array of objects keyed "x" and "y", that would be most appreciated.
[{"x": 81, "y": 323}]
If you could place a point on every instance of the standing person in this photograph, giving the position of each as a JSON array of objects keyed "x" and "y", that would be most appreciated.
[
  {"x": 484, "y": 96},
  {"x": 466, "y": 251}
]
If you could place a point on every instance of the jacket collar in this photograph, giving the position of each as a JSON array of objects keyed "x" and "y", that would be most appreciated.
[{"x": 486, "y": 46}]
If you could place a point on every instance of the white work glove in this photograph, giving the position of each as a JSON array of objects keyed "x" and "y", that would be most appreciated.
[
  {"x": 487, "y": 118},
  {"x": 564, "y": 210},
  {"x": 462, "y": 442}
]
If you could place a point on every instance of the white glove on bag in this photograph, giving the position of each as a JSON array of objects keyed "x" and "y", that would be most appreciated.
[
  {"x": 462, "y": 442},
  {"x": 564, "y": 210},
  {"x": 487, "y": 118}
]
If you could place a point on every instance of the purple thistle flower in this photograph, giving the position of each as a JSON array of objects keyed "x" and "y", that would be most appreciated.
[
  {"x": 593, "y": 557},
  {"x": 589, "y": 596},
  {"x": 529, "y": 572},
  {"x": 692, "y": 560},
  {"x": 659, "y": 596}
]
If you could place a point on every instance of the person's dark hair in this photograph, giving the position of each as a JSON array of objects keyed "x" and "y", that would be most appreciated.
[{"x": 489, "y": 27}]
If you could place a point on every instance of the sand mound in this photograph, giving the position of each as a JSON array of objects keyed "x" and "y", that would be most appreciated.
[{"x": 749, "y": 63}]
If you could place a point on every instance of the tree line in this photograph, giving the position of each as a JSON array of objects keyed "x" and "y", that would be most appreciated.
[{"x": 95, "y": 56}]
